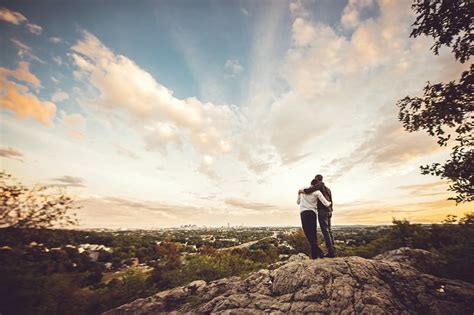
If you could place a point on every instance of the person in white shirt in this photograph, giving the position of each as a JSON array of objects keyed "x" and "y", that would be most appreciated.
[
  {"x": 324, "y": 213},
  {"x": 308, "y": 206}
]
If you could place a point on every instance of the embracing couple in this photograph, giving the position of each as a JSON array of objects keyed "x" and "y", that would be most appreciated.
[{"x": 316, "y": 201}]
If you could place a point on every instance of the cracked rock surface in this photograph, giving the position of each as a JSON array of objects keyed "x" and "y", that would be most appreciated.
[{"x": 391, "y": 283}]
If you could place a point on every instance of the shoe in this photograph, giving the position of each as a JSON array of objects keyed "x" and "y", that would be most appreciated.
[
  {"x": 319, "y": 254},
  {"x": 330, "y": 255}
]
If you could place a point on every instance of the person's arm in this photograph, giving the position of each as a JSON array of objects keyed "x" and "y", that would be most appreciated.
[
  {"x": 323, "y": 199},
  {"x": 299, "y": 199},
  {"x": 312, "y": 189}
]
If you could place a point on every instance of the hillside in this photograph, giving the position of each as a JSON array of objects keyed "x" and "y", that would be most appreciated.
[{"x": 397, "y": 282}]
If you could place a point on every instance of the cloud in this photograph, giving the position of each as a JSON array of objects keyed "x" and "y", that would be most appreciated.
[
  {"x": 75, "y": 124},
  {"x": 351, "y": 14},
  {"x": 68, "y": 181},
  {"x": 244, "y": 11},
  {"x": 387, "y": 146},
  {"x": 12, "y": 16},
  {"x": 25, "y": 51},
  {"x": 58, "y": 60},
  {"x": 11, "y": 153},
  {"x": 125, "y": 152},
  {"x": 233, "y": 67},
  {"x": 17, "y": 18},
  {"x": 206, "y": 168},
  {"x": 16, "y": 97},
  {"x": 59, "y": 96},
  {"x": 34, "y": 28},
  {"x": 427, "y": 189},
  {"x": 338, "y": 83},
  {"x": 380, "y": 213},
  {"x": 306, "y": 125},
  {"x": 55, "y": 40},
  {"x": 249, "y": 205},
  {"x": 303, "y": 32},
  {"x": 297, "y": 8},
  {"x": 116, "y": 212},
  {"x": 54, "y": 79},
  {"x": 164, "y": 119}
]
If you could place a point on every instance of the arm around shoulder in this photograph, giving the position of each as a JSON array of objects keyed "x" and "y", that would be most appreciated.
[{"x": 323, "y": 199}]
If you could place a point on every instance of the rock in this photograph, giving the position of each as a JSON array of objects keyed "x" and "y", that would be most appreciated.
[
  {"x": 396, "y": 282},
  {"x": 420, "y": 259},
  {"x": 293, "y": 258}
]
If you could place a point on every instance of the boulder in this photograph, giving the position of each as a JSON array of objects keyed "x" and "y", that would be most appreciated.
[{"x": 396, "y": 282}]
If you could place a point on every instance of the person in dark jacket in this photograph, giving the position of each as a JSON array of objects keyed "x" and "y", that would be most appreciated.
[
  {"x": 308, "y": 211},
  {"x": 324, "y": 213}
]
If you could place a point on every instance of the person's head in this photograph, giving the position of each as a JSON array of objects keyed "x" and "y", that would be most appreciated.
[
  {"x": 319, "y": 178},
  {"x": 314, "y": 182}
]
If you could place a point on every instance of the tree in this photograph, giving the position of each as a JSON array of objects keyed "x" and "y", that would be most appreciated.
[
  {"x": 448, "y": 21},
  {"x": 446, "y": 110},
  {"x": 468, "y": 219},
  {"x": 450, "y": 219},
  {"x": 33, "y": 207}
]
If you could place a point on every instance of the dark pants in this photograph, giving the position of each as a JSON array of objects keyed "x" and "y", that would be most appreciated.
[
  {"x": 324, "y": 218},
  {"x": 308, "y": 221}
]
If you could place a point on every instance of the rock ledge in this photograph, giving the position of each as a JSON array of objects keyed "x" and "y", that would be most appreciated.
[{"x": 395, "y": 282}]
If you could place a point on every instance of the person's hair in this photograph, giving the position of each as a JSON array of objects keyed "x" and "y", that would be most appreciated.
[
  {"x": 319, "y": 178},
  {"x": 314, "y": 182}
]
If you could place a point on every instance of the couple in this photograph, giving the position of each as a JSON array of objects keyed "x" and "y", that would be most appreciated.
[{"x": 316, "y": 200}]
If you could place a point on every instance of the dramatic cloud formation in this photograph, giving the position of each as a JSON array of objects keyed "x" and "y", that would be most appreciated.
[
  {"x": 165, "y": 118},
  {"x": 16, "y": 97},
  {"x": 314, "y": 93},
  {"x": 337, "y": 82},
  {"x": 19, "y": 19}
]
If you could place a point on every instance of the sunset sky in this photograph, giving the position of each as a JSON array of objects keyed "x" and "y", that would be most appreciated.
[{"x": 163, "y": 113}]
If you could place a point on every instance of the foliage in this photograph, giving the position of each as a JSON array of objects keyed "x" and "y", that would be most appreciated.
[
  {"x": 446, "y": 110},
  {"x": 32, "y": 207},
  {"x": 448, "y": 22},
  {"x": 453, "y": 242},
  {"x": 65, "y": 281},
  {"x": 210, "y": 265},
  {"x": 299, "y": 242},
  {"x": 133, "y": 285}
]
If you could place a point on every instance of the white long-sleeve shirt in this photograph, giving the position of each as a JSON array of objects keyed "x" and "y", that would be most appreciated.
[{"x": 310, "y": 201}]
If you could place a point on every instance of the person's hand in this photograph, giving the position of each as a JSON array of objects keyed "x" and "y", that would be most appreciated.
[{"x": 300, "y": 191}]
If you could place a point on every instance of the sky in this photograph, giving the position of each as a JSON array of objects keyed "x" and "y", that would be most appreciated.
[{"x": 158, "y": 114}]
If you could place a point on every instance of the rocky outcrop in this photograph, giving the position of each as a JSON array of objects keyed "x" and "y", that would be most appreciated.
[
  {"x": 388, "y": 284},
  {"x": 420, "y": 259}
]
